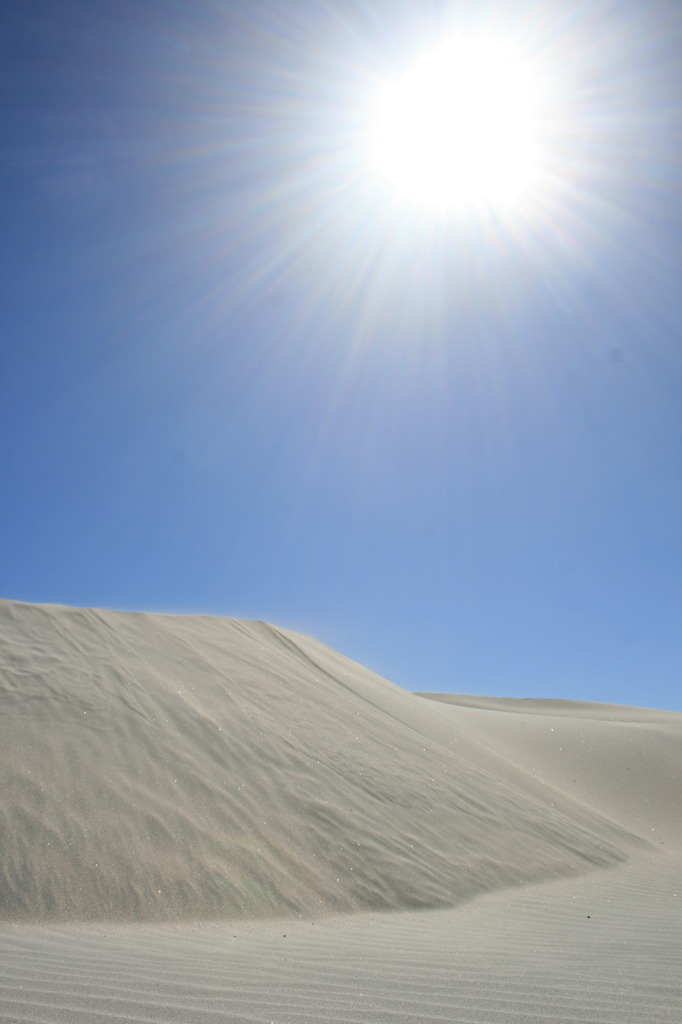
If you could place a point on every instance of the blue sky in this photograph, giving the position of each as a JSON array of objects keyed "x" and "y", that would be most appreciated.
[{"x": 239, "y": 378}]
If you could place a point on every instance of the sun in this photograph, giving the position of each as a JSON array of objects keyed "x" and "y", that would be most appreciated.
[{"x": 458, "y": 128}]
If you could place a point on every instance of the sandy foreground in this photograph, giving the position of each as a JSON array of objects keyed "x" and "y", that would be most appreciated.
[{"x": 207, "y": 819}]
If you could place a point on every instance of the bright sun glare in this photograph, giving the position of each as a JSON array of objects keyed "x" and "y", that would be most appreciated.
[{"x": 457, "y": 129}]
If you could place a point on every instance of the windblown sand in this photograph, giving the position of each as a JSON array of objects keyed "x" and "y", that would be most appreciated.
[{"x": 206, "y": 819}]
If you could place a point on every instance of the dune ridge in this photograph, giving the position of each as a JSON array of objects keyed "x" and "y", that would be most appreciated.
[{"x": 163, "y": 767}]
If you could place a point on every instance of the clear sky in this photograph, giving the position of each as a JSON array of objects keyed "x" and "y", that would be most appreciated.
[{"x": 242, "y": 376}]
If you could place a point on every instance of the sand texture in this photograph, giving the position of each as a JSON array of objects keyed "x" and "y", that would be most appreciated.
[{"x": 205, "y": 819}]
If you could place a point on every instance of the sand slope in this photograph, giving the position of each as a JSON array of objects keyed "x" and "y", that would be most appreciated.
[
  {"x": 623, "y": 762},
  {"x": 168, "y": 767}
]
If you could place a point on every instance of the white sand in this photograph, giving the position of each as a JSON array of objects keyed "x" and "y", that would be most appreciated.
[{"x": 181, "y": 793}]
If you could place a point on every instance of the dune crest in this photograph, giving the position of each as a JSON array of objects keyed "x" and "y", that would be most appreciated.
[{"x": 160, "y": 767}]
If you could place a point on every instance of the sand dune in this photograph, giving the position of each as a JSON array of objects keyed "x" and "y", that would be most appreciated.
[
  {"x": 190, "y": 770},
  {"x": 165, "y": 767},
  {"x": 622, "y": 762}
]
